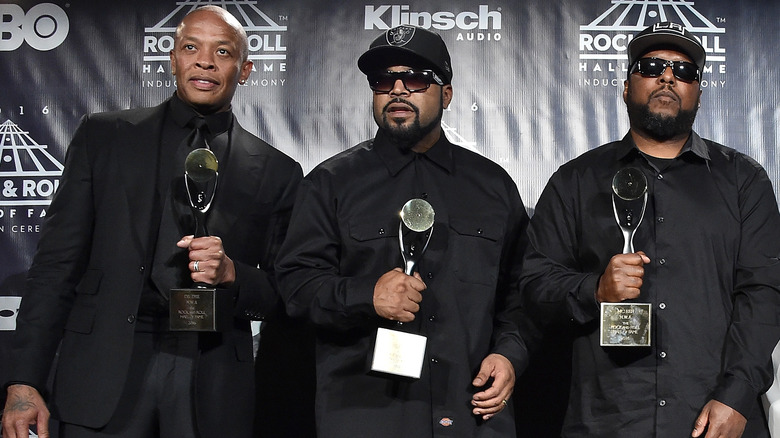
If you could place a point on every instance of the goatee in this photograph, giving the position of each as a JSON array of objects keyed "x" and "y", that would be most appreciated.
[
  {"x": 407, "y": 136},
  {"x": 659, "y": 126}
]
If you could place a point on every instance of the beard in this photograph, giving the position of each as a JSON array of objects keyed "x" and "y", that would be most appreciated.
[
  {"x": 659, "y": 126},
  {"x": 406, "y": 136}
]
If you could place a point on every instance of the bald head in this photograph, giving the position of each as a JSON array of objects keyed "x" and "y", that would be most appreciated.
[{"x": 226, "y": 17}]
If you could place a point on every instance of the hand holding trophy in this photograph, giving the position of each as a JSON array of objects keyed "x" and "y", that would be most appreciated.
[
  {"x": 396, "y": 352},
  {"x": 200, "y": 308},
  {"x": 627, "y": 324}
]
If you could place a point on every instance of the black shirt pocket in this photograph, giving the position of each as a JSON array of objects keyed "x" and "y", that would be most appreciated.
[{"x": 476, "y": 248}]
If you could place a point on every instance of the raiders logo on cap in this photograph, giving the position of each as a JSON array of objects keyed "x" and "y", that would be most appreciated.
[{"x": 399, "y": 36}]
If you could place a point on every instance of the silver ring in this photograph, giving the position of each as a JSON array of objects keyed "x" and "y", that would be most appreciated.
[
  {"x": 503, "y": 402},
  {"x": 195, "y": 266}
]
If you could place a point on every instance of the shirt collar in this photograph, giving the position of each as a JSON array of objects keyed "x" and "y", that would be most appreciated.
[
  {"x": 396, "y": 158},
  {"x": 183, "y": 113},
  {"x": 694, "y": 145}
]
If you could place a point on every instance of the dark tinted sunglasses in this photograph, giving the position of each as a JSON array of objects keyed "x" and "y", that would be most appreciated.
[
  {"x": 413, "y": 80},
  {"x": 653, "y": 67}
]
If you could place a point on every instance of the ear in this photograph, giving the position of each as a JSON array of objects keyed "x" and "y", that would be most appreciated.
[
  {"x": 625, "y": 91},
  {"x": 173, "y": 62},
  {"x": 446, "y": 95},
  {"x": 246, "y": 69}
]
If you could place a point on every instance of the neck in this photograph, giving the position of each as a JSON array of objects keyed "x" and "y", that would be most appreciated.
[
  {"x": 427, "y": 142},
  {"x": 667, "y": 148}
]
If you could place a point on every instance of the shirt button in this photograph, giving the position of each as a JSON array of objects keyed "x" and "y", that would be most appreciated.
[
  {"x": 479, "y": 230},
  {"x": 662, "y": 354},
  {"x": 661, "y": 220},
  {"x": 662, "y": 261},
  {"x": 662, "y": 306},
  {"x": 660, "y": 176},
  {"x": 430, "y": 275},
  {"x": 432, "y": 318},
  {"x": 434, "y": 360},
  {"x": 662, "y": 403},
  {"x": 140, "y": 269},
  {"x": 424, "y": 195},
  {"x": 131, "y": 319},
  {"x": 381, "y": 231}
]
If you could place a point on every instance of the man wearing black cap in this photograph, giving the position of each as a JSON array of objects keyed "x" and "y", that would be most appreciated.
[
  {"x": 706, "y": 261},
  {"x": 340, "y": 264}
]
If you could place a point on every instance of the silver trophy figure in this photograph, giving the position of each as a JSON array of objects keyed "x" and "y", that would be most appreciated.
[
  {"x": 414, "y": 231},
  {"x": 629, "y": 199},
  {"x": 397, "y": 352},
  {"x": 200, "y": 308},
  {"x": 627, "y": 324},
  {"x": 200, "y": 178}
]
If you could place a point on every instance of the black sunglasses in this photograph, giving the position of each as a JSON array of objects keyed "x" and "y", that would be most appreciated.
[
  {"x": 413, "y": 80},
  {"x": 653, "y": 67}
]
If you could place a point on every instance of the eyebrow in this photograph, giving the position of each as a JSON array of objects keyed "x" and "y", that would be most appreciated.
[{"x": 195, "y": 39}]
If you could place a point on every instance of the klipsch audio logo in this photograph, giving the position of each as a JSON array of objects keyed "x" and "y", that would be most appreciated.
[
  {"x": 29, "y": 176},
  {"x": 266, "y": 37},
  {"x": 603, "y": 42},
  {"x": 483, "y": 24},
  {"x": 44, "y": 27}
]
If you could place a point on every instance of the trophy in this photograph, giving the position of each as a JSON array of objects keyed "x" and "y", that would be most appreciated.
[
  {"x": 414, "y": 232},
  {"x": 200, "y": 308},
  {"x": 396, "y": 352},
  {"x": 627, "y": 324}
]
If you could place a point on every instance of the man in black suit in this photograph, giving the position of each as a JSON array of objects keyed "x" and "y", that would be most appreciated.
[{"x": 112, "y": 248}]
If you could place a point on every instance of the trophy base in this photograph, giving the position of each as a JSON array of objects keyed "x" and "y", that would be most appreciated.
[
  {"x": 625, "y": 324},
  {"x": 398, "y": 353},
  {"x": 200, "y": 310}
]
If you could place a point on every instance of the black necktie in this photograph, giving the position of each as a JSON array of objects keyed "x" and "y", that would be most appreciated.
[{"x": 170, "y": 268}]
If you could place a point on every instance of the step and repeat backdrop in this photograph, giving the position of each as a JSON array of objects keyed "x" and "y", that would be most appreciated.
[{"x": 536, "y": 83}]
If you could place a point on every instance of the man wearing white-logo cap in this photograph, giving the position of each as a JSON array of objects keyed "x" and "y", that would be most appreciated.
[{"x": 703, "y": 259}]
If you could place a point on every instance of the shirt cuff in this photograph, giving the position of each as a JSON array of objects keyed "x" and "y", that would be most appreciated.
[
  {"x": 584, "y": 307},
  {"x": 737, "y": 394}
]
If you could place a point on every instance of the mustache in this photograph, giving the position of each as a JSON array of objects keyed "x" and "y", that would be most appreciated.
[
  {"x": 403, "y": 101},
  {"x": 666, "y": 88}
]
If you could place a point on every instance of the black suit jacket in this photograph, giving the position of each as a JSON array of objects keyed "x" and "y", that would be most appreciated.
[{"x": 84, "y": 286}]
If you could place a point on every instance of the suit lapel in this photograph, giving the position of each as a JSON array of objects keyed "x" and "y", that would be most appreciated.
[
  {"x": 139, "y": 137},
  {"x": 239, "y": 178}
]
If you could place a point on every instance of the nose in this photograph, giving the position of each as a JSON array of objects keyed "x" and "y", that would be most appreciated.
[
  {"x": 668, "y": 75},
  {"x": 205, "y": 60},
  {"x": 399, "y": 88}
]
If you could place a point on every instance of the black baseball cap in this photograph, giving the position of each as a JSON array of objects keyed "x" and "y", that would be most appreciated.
[
  {"x": 666, "y": 34},
  {"x": 408, "y": 45}
]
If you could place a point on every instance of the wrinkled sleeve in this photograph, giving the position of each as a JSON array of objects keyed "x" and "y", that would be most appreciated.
[
  {"x": 59, "y": 263},
  {"x": 255, "y": 288},
  {"x": 754, "y": 329},
  {"x": 554, "y": 286},
  {"x": 307, "y": 268},
  {"x": 515, "y": 334}
]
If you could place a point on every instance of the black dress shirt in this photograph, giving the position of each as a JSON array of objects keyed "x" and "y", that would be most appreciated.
[
  {"x": 175, "y": 144},
  {"x": 343, "y": 236},
  {"x": 712, "y": 232}
]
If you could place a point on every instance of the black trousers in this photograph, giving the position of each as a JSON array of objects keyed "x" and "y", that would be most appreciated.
[{"x": 157, "y": 401}]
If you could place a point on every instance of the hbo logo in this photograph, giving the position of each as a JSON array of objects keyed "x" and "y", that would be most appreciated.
[{"x": 44, "y": 27}]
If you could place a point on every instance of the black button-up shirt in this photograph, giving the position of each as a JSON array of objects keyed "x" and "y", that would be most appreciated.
[
  {"x": 344, "y": 235},
  {"x": 712, "y": 232}
]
